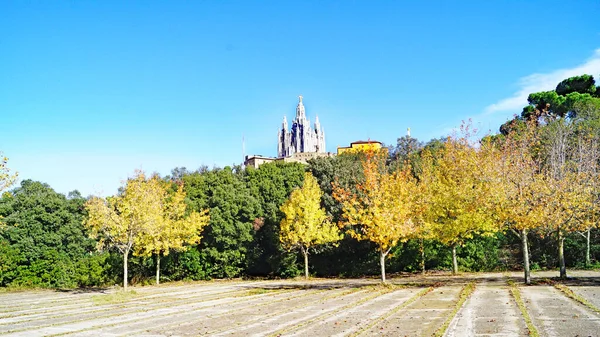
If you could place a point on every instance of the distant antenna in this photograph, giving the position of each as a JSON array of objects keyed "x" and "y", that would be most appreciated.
[{"x": 408, "y": 132}]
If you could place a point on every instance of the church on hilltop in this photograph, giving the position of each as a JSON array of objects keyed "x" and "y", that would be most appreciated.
[
  {"x": 302, "y": 137},
  {"x": 299, "y": 144}
]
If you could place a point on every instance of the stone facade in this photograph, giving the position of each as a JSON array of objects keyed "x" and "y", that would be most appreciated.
[
  {"x": 256, "y": 161},
  {"x": 304, "y": 157},
  {"x": 302, "y": 137}
]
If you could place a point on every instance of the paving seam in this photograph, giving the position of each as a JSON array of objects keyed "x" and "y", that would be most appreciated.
[
  {"x": 136, "y": 320},
  {"x": 123, "y": 305},
  {"x": 288, "y": 310},
  {"x": 67, "y": 302},
  {"x": 568, "y": 292},
  {"x": 155, "y": 307},
  {"x": 106, "y": 307},
  {"x": 328, "y": 313},
  {"x": 146, "y": 292},
  {"x": 516, "y": 295},
  {"x": 168, "y": 325},
  {"x": 395, "y": 310},
  {"x": 463, "y": 297},
  {"x": 58, "y": 299}
]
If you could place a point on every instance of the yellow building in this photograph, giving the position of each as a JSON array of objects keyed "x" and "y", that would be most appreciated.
[{"x": 361, "y": 145}]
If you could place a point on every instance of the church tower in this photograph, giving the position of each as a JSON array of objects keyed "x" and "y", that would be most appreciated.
[{"x": 302, "y": 137}]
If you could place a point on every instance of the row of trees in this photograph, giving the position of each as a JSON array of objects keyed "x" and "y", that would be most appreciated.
[
  {"x": 451, "y": 203},
  {"x": 540, "y": 174}
]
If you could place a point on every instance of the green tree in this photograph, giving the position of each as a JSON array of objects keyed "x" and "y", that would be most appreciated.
[
  {"x": 344, "y": 170},
  {"x": 43, "y": 242},
  {"x": 584, "y": 84},
  {"x": 233, "y": 210},
  {"x": 305, "y": 224},
  {"x": 271, "y": 185},
  {"x": 351, "y": 257},
  {"x": 405, "y": 148}
]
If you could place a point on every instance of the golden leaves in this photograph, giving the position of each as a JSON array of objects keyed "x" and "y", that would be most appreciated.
[
  {"x": 145, "y": 216},
  {"x": 305, "y": 222},
  {"x": 385, "y": 208},
  {"x": 460, "y": 185},
  {"x": 6, "y": 177}
]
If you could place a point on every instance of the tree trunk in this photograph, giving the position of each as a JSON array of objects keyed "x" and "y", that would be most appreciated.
[
  {"x": 422, "y": 248},
  {"x": 305, "y": 252},
  {"x": 454, "y": 261},
  {"x": 587, "y": 248},
  {"x": 561, "y": 255},
  {"x": 525, "y": 248},
  {"x": 382, "y": 263},
  {"x": 157, "y": 269},
  {"x": 125, "y": 255}
]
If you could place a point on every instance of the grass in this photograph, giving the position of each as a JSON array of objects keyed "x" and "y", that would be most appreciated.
[
  {"x": 516, "y": 294},
  {"x": 465, "y": 293},
  {"x": 259, "y": 291},
  {"x": 115, "y": 298},
  {"x": 572, "y": 295}
]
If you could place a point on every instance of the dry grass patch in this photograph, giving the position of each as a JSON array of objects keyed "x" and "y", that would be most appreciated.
[{"x": 115, "y": 298}]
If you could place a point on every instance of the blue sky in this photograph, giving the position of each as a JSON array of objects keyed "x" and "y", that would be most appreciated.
[{"x": 92, "y": 90}]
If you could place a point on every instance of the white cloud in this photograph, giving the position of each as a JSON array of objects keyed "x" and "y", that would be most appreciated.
[{"x": 543, "y": 82}]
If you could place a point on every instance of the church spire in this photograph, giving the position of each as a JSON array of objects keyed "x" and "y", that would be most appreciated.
[
  {"x": 284, "y": 124},
  {"x": 300, "y": 113}
]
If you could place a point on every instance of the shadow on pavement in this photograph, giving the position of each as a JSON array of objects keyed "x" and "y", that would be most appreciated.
[{"x": 83, "y": 290}]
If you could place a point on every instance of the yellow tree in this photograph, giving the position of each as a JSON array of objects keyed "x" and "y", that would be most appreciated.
[
  {"x": 305, "y": 223},
  {"x": 384, "y": 209},
  {"x": 587, "y": 156},
  {"x": 423, "y": 230},
  {"x": 118, "y": 221},
  {"x": 172, "y": 229},
  {"x": 6, "y": 177},
  {"x": 461, "y": 193},
  {"x": 566, "y": 190},
  {"x": 521, "y": 204},
  {"x": 566, "y": 202}
]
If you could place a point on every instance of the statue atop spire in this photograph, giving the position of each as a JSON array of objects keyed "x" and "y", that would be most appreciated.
[{"x": 300, "y": 113}]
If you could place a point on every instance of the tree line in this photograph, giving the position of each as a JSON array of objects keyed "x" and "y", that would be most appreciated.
[{"x": 527, "y": 197}]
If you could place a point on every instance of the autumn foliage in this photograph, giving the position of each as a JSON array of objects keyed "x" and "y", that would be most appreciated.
[
  {"x": 145, "y": 218},
  {"x": 305, "y": 224},
  {"x": 384, "y": 209}
]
